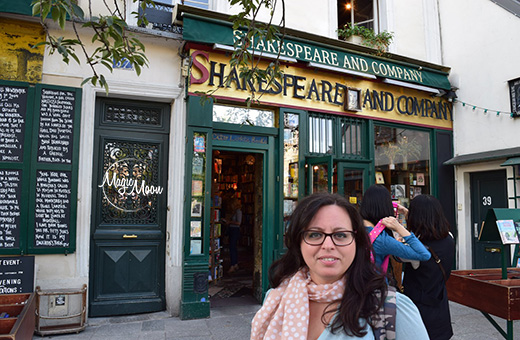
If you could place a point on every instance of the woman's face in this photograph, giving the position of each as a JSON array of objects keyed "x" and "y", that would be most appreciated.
[{"x": 327, "y": 262}]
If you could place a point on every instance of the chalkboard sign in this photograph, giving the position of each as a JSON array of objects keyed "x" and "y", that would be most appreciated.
[
  {"x": 13, "y": 107},
  {"x": 56, "y": 126},
  {"x": 52, "y": 209},
  {"x": 16, "y": 274},
  {"x": 10, "y": 195}
]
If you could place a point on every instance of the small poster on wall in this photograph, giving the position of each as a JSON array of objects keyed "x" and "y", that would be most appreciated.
[
  {"x": 196, "y": 208},
  {"x": 196, "y": 247},
  {"x": 380, "y": 179},
  {"x": 196, "y": 188},
  {"x": 198, "y": 144},
  {"x": 195, "y": 229},
  {"x": 420, "y": 179}
]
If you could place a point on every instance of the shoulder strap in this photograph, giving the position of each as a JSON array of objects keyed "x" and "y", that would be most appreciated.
[
  {"x": 373, "y": 235},
  {"x": 384, "y": 329},
  {"x": 438, "y": 261}
]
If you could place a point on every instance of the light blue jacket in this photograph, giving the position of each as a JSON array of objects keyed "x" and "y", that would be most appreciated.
[
  {"x": 408, "y": 324},
  {"x": 387, "y": 245}
]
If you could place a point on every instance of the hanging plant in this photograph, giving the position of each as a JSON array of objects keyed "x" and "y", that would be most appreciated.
[{"x": 369, "y": 38}]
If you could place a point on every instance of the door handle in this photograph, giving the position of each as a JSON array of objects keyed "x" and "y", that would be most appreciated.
[
  {"x": 493, "y": 250},
  {"x": 130, "y": 236}
]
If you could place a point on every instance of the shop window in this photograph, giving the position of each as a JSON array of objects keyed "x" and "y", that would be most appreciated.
[
  {"x": 243, "y": 116},
  {"x": 402, "y": 161},
  {"x": 357, "y": 12},
  {"x": 321, "y": 134},
  {"x": 290, "y": 162},
  {"x": 351, "y": 137}
]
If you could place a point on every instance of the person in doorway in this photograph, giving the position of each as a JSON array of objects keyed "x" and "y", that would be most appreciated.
[
  {"x": 426, "y": 285},
  {"x": 378, "y": 214},
  {"x": 325, "y": 286},
  {"x": 234, "y": 233}
]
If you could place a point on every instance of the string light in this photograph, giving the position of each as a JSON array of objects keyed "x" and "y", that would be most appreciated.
[{"x": 485, "y": 110}]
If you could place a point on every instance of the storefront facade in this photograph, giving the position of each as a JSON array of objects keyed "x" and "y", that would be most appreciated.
[{"x": 337, "y": 120}]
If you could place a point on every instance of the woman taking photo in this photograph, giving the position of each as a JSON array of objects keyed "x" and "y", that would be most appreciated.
[
  {"x": 426, "y": 285},
  {"x": 325, "y": 286},
  {"x": 377, "y": 206}
]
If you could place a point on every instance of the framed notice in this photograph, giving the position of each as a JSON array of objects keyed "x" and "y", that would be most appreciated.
[
  {"x": 352, "y": 99},
  {"x": 196, "y": 208},
  {"x": 380, "y": 179},
  {"x": 196, "y": 187},
  {"x": 420, "y": 179},
  {"x": 195, "y": 229}
]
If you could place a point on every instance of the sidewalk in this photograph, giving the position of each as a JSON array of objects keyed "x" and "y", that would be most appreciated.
[{"x": 233, "y": 322}]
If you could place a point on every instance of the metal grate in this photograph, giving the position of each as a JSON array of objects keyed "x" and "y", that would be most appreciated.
[
  {"x": 136, "y": 163},
  {"x": 321, "y": 134},
  {"x": 132, "y": 115},
  {"x": 351, "y": 137}
]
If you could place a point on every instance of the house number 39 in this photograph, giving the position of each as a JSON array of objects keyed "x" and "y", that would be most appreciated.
[{"x": 486, "y": 200}]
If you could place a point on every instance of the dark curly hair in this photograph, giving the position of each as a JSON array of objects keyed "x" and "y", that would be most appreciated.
[{"x": 364, "y": 284}]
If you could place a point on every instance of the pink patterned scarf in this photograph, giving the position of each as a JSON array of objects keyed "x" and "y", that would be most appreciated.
[{"x": 285, "y": 313}]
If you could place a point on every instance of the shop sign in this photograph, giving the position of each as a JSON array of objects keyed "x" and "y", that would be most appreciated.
[
  {"x": 125, "y": 186},
  {"x": 306, "y": 89},
  {"x": 199, "y": 30}
]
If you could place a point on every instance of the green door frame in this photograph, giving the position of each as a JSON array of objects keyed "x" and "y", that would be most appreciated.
[
  {"x": 269, "y": 236},
  {"x": 344, "y": 164},
  {"x": 310, "y": 161}
]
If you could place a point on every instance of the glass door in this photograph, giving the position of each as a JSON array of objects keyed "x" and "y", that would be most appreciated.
[
  {"x": 352, "y": 180},
  {"x": 319, "y": 174}
]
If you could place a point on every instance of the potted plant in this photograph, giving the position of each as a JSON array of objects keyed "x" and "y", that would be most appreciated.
[
  {"x": 390, "y": 150},
  {"x": 365, "y": 36}
]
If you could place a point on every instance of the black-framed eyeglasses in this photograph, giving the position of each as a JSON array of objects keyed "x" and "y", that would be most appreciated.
[{"x": 339, "y": 238}]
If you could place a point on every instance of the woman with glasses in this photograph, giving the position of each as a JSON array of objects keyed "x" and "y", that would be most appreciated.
[
  {"x": 377, "y": 206},
  {"x": 325, "y": 285}
]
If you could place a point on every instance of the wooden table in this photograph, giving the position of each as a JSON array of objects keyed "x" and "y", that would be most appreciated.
[{"x": 486, "y": 291}]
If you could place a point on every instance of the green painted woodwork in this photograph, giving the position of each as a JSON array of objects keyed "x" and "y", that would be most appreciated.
[
  {"x": 29, "y": 166},
  {"x": 127, "y": 249}
]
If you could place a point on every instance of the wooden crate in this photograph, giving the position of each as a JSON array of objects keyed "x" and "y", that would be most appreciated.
[
  {"x": 485, "y": 290},
  {"x": 20, "y": 323}
]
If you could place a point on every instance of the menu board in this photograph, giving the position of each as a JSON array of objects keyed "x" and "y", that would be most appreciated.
[
  {"x": 13, "y": 107},
  {"x": 39, "y": 131},
  {"x": 10, "y": 195},
  {"x": 52, "y": 209},
  {"x": 55, "y": 133}
]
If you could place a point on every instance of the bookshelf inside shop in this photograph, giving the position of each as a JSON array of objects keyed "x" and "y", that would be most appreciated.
[
  {"x": 247, "y": 187},
  {"x": 215, "y": 258},
  {"x": 405, "y": 183}
]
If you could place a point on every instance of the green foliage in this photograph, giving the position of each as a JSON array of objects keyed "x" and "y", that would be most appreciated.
[
  {"x": 379, "y": 42},
  {"x": 109, "y": 33},
  {"x": 245, "y": 58}
]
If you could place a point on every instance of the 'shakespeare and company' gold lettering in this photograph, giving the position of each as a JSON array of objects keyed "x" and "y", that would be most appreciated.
[{"x": 213, "y": 73}]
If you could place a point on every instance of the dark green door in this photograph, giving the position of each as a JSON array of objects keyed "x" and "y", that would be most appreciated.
[
  {"x": 128, "y": 208},
  {"x": 488, "y": 190},
  {"x": 352, "y": 180}
]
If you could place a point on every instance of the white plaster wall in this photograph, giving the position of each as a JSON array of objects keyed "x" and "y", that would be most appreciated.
[
  {"x": 481, "y": 46},
  {"x": 162, "y": 82},
  {"x": 303, "y": 15},
  {"x": 479, "y": 43}
]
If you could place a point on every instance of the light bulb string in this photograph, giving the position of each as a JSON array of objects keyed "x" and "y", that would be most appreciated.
[{"x": 486, "y": 110}]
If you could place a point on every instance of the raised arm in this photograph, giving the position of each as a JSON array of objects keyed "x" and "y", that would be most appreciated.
[{"x": 412, "y": 250}]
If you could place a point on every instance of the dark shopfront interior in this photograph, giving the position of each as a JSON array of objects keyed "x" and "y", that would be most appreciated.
[{"x": 235, "y": 176}]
